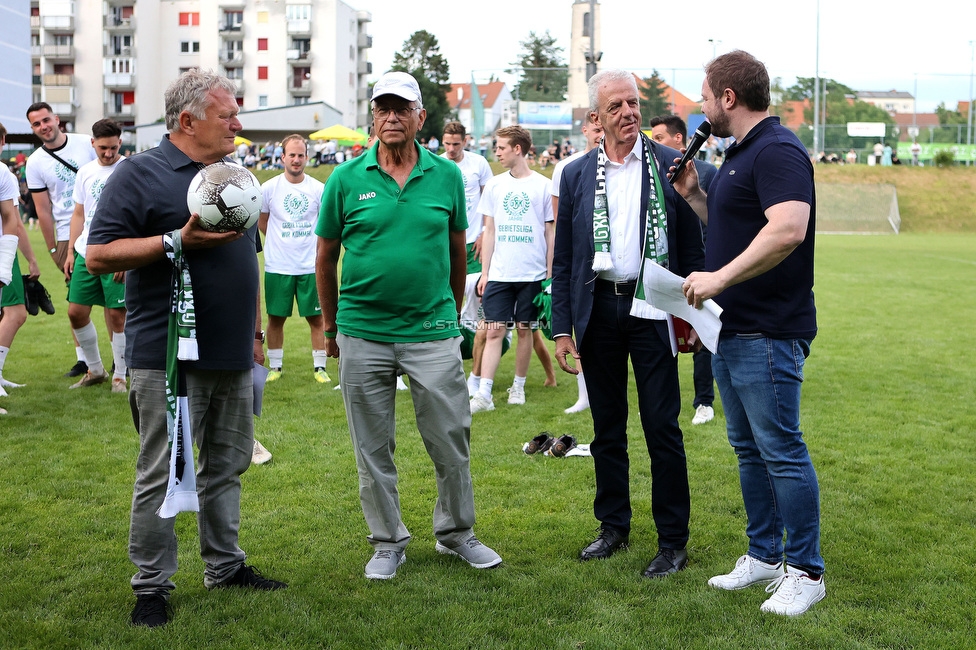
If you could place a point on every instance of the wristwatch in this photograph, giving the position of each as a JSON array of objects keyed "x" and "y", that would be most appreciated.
[{"x": 259, "y": 336}]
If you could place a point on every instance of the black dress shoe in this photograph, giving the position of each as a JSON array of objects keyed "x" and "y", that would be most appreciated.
[
  {"x": 608, "y": 542},
  {"x": 77, "y": 370},
  {"x": 666, "y": 562}
]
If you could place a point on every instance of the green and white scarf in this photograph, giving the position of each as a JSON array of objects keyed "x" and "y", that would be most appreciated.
[
  {"x": 181, "y": 345},
  {"x": 655, "y": 226}
]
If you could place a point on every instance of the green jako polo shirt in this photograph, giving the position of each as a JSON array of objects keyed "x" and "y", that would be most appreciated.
[{"x": 395, "y": 281}]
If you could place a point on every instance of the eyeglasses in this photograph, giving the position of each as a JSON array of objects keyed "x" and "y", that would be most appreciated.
[{"x": 383, "y": 113}]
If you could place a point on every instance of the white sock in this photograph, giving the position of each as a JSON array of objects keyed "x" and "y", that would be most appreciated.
[
  {"x": 319, "y": 358},
  {"x": 474, "y": 380},
  {"x": 275, "y": 357},
  {"x": 581, "y": 386},
  {"x": 118, "y": 354},
  {"x": 79, "y": 353},
  {"x": 519, "y": 382},
  {"x": 3, "y": 357},
  {"x": 484, "y": 388},
  {"x": 88, "y": 340}
]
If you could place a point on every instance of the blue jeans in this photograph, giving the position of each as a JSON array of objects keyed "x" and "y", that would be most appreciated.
[{"x": 759, "y": 381}]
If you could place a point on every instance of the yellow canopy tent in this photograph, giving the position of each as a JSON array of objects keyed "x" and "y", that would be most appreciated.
[
  {"x": 239, "y": 140},
  {"x": 339, "y": 132}
]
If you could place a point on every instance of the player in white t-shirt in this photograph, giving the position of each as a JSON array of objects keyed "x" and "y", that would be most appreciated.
[
  {"x": 51, "y": 171},
  {"x": 289, "y": 212},
  {"x": 516, "y": 256},
  {"x": 84, "y": 289},
  {"x": 476, "y": 172},
  {"x": 12, "y": 236},
  {"x": 593, "y": 133}
]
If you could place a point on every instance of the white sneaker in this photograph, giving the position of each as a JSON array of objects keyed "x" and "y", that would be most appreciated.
[
  {"x": 748, "y": 571},
  {"x": 480, "y": 403},
  {"x": 260, "y": 455},
  {"x": 473, "y": 552},
  {"x": 703, "y": 414},
  {"x": 581, "y": 405},
  {"x": 6, "y": 383},
  {"x": 793, "y": 593},
  {"x": 516, "y": 395}
]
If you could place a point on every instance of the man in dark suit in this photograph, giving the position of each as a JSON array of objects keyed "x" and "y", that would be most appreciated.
[{"x": 606, "y": 231}]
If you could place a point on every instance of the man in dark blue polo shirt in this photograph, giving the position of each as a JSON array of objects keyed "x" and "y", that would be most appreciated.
[
  {"x": 140, "y": 217},
  {"x": 761, "y": 214}
]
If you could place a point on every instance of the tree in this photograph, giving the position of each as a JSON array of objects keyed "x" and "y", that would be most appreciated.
[
  {"x": 422, "y": 59},
  {"x": 840, "y": 106},
  {"x": 545, "y": 77},
  {"x": 653, "y": 98}
]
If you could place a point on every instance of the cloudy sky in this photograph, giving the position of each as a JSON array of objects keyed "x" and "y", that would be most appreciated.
[{"x": 924, "y": 52}]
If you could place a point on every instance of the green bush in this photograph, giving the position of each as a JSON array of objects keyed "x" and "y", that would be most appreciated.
[{"x": 943, "y": 158}]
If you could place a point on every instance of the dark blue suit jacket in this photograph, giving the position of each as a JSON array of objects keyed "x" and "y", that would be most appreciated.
[{"x": 572, "y": 267}]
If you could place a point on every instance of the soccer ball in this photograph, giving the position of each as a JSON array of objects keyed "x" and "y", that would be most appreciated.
[{"x": 226, "y": 196}]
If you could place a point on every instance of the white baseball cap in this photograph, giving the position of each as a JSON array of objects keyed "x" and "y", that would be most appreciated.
[{"x": 397, "y": 83}]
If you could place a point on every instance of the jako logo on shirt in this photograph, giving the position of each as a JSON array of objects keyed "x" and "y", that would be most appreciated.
[
  {"x": 516, "y": 203},
  {"x": 367, "y": 195}
]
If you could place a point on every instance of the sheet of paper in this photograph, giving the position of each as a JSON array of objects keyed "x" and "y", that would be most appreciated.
[
  {"x": 662, "y": 288},
  {"x": 260, "y": 374}
]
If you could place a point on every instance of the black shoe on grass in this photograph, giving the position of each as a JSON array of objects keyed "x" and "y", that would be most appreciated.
[
  {"x": 77, "y": 370},
  {"x": 151, "y": 610},
  {"x": 250, "y": 578}
]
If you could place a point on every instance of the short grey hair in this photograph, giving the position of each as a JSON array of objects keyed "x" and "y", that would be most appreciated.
[
  {"x": 600, "y": 78},
  {"x": 190, "y": 92}
]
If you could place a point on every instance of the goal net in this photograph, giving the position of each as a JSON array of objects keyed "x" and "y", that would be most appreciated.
[{"x": 858, "y": 209}]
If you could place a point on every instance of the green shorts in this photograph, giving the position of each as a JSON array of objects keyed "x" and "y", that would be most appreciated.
[
  {"x": 474, "y": 265},
  {"x": 88, "y": 289},
  {"x": 281, "y": 291},
  {"x": 13, "y": 293}
]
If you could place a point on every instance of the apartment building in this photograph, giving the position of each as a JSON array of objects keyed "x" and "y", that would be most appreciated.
[{"x": 114, "y": 58}]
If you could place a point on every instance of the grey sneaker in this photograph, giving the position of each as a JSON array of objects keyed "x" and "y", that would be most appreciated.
[
  {"x": 473, "y": 552},
  {"x": 383, "y": 565}
]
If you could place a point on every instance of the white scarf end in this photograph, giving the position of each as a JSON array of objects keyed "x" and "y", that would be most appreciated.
[
  {"x": 187, "y": 350},
  {"x": 602, "y": 261}
]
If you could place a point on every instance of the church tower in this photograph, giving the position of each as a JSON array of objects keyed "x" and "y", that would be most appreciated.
[{"x": 584, "y": 50}]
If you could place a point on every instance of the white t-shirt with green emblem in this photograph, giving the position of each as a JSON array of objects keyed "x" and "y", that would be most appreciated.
[
  {"x": 521, "y": 207},
  {"x": 476, "y": 173},
  {"x": 88, "y": 189},
  {"x": 45, "y": 172},
  {"x": 293, "y": 211}
]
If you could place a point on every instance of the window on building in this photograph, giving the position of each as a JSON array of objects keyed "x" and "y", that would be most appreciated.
[
  {"x": 298, "y": 12},
  {"x": 262, "y": 101},
  {"x": 303, "y": 45},
  {"x": 262, "y": 44},
  {"x": 189, "y": 18},
  {"x": 262, "y": 17},
  {"x": 352, "y": 53},
  {"x": 233, "y": 20},
  {"x": 240, "y": 101},
  {"x": 301, "y": 100},
  {"x": 190, "y": 47},
  {"x": 262, "y": 72}
]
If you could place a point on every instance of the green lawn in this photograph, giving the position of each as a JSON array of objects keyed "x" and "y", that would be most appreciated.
[{"x": 887, "y": 411}]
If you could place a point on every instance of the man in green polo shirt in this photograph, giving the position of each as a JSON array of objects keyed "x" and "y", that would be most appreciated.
[{"x": 399, "y": 213}]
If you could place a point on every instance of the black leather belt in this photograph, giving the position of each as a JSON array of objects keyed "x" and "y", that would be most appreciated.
[{"x": 625, "y": 288}]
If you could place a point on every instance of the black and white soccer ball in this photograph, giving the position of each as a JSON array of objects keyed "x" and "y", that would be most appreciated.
[{"x": 226, "y": 196}]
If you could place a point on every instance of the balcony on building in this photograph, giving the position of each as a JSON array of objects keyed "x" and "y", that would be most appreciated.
[
  {"x": 232, "y": 59},
  {"x": 119, "y": 111},
  {"x": 58, "y": 24},
  {"x": 58, "y": 80},
  {"x": 240, "y": 87},
  {"x": 37, "y": 51},
  {"x": 300, "y": 26},
  {"x": 116, "y": 23},
  {"x": 364, "y": 41},
  {"x": 362, "y": 94},
  {"x": 228, "y": 27},
  {"x": 364, "y": 67},
  {"x": 299, "y": 57},
  {"x": 113, "y": 50},
  {"x": 58, "y": 52},
  {"x": 120, "y": 80},
  {"x": 35, "y": 24},
  {"x": 300, "y": 87}
]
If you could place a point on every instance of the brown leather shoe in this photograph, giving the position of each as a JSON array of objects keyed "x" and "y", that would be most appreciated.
[
  {"x": 608, "y": 542},
  {"x": 666, "y": 562}
]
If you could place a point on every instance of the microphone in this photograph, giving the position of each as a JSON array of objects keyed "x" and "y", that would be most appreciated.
[{"x": 697, "y": 140}]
